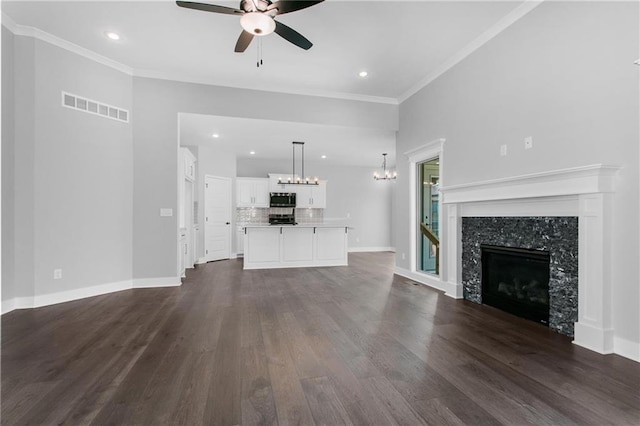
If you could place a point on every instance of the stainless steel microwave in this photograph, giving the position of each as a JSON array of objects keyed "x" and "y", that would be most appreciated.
[{"x": 282, "y": 199}]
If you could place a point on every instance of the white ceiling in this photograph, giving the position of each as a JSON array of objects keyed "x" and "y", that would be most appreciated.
[
  {"x": 398, "y": 43},
  {"x": 272, "y": 140}
]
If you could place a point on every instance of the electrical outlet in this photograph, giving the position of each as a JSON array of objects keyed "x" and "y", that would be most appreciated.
[
  {"x": 357, "y": 239},
  {"x": 403, "y": 256},
  {"x": 528, "y": 142},
  {"x": 348, "y": 215},
  {"x": 503, "y": 150},
  {"x": 57, "y": 274}
]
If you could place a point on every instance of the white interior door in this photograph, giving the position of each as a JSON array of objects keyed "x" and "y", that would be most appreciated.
[{"x": 217, "y": 218}]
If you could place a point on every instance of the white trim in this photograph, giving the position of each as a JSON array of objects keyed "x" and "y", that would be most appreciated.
[
  {"x": 627, "y": 348},
  {"x": 23, "y": 30},
  {"x": 84, "y": 292},
  {"x": 595, "y": 178},
  {"x": 163, "y": 75},
  {"x": 63, "y": 296},
  {"x": 16, "y": 303},
  {"x": 433, "y": 149},
  {"x": 370, "y": 249},
  {"x": 430, "y": 149},
  {"x": 585, "y": 192},
  {"x": 450, "y": 289},
  {"x": 478, "y": 42},
  {"x": 27, "y": 31},
  {"x": 157, "y": 282}
]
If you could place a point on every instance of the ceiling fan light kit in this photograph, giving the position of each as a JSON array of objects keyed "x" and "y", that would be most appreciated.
[
  {"x": 257, "y": 24},
  {"x": 257, "y": 18}
]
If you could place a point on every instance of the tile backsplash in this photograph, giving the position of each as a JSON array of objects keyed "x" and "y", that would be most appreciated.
[{"x": 249, "y": 215}]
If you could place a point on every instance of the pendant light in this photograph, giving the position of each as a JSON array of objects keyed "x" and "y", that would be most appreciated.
[
  {"x": 386, "y": 175},
  {"x": 304, "y": 180}
]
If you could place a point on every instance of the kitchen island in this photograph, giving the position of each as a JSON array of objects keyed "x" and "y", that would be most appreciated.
[{"x": 294, "y": 246}]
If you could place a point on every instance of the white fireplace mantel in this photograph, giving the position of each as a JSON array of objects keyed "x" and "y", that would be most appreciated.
[
  {"x": 585, "y": 192},
  {"x": 596, "y": 178}
]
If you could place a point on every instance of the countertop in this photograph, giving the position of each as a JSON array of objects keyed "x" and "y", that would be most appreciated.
[{"x": 300, "y": 225}]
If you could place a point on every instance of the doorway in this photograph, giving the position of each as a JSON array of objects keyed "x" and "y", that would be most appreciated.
[
  {"x": 217, "y": 218},
  {"x": 429, "y": 216}
]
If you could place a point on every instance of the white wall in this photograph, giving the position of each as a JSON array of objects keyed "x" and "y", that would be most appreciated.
[
  {"x": 564, "y": 75},
  {"x": 350, "y": 191},
  {"x": 157, "y": 105},
  {"x": 8, "y": 171},
  {"x": 73, "y": 174}
]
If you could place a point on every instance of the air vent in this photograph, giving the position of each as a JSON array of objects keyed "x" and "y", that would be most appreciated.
[{"x": 94, "y": 107}]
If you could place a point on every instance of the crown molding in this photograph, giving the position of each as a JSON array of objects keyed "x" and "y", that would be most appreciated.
[
  {"x": 27, "y": 31},
  {"x": 162, "y": 75},
  {"x": 483, "y": 38},
  {"x": 23, "y": 30},
  {"x": 501, "y": 25}
]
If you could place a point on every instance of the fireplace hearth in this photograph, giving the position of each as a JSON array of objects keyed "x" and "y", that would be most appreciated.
[{"x": 516, "y": 280}]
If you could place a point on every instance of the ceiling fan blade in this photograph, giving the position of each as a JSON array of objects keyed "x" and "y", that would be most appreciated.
[
  {"x": 210, "y": 8},
  {"x": 243, "y": 41},
  {"x": 286, "y": 6},
  {"x": 292, "y": 36}
]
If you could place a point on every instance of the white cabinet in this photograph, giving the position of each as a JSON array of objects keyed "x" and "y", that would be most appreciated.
[
  {"x": 311, "y": 196},
  {"x": 240, "y": 241},
  {"x": 183, "y": 247},
  {"x": 330, "y": 245},
  {"x": 297, "y": 244},
  {"x": 267, "y": 247},
  {"x": 252, "y": 192},
  {"x": 262, "y": 246}
]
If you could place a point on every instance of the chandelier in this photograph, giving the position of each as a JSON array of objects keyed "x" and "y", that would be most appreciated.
[
  {"x": 294, "y": 179},
  {"x": 386, "y": 174}
]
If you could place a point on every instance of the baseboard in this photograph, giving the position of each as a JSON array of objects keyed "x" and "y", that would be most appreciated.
[
  {"x": 593, "y": 338},
  {"x": 626, "y": 348},
  {"x": 370, "y": 249},
  {"x": 16, "y": 303},
  {"x": 41, "y": 300},
  {"x": 157, "y": 282},
  {"x": 201, "y": 260}
]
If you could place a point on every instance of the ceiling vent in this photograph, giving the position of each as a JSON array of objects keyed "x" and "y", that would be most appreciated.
[{"x": 94, "y": 107}]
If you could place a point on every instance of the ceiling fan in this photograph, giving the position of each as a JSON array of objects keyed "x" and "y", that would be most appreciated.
[{"x": 258, "y": 19}]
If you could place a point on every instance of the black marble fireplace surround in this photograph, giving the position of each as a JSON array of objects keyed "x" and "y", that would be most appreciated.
[{"x": 557, "y": 235}]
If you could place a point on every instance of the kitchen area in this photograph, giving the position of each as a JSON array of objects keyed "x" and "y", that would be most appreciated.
[{"x": 280, "y": 223}]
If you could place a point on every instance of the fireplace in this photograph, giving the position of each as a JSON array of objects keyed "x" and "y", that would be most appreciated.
[
  {"x": 516, "y": 280},
  {"x": 555, "y": 237}
]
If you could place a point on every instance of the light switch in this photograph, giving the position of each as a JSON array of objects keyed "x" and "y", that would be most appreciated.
[{"x": 166, "y": 212}]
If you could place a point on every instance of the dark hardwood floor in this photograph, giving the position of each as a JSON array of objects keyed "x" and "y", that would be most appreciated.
[{"x": 342, "y": 345}]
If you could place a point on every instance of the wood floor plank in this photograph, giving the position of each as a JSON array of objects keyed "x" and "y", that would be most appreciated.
[
  {"x": 325, "y": 405},
  {"x": 290, "y": 400},
  {"x": 339, "y": 345}
]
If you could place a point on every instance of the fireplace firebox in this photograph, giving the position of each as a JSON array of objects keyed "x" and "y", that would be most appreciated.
[{"x": 516, "y": 280}]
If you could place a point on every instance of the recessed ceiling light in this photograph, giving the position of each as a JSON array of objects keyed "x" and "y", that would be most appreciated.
[
  {"x": 112, "y": 36},
  {"x": 215, "y": 135},
  {"x": 324, "y": 156},
  {"x": 363, "y": 74},
  {"x": 252, "y": 152}
]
